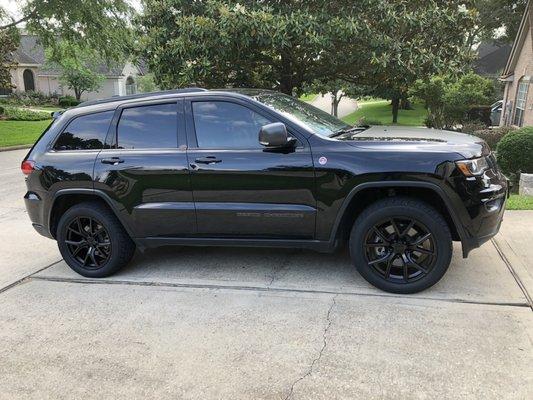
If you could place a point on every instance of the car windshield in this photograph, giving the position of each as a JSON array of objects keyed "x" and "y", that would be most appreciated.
[{"x": 317, "y": 121}]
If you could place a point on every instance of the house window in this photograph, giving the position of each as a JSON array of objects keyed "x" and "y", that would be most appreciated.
[
  {"x": 131, "y": 87},
  {"x": 520, "y": 103},
  {"x": 29, "y": 83}
]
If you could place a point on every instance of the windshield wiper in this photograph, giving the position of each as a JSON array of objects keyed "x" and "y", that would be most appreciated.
[{"x": 354, "y": 129}]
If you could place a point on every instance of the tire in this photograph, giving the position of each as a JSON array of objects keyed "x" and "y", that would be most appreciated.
[
  {"x": 394, "y": 255},
  {"x": 92, "y": 241}
]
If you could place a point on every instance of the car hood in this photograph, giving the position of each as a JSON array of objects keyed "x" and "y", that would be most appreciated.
[{"x": 418, "y": 139}]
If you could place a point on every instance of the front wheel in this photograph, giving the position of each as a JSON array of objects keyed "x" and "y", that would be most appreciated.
[{"x": 401, "y": 245}]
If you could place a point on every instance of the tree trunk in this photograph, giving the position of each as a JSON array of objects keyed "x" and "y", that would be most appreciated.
[
  {"x": 395, "y": 107},
  {"x": 334, "y": 105},
  {"x": 77, "y": 93},
  {"x": 405, "y": 104}
]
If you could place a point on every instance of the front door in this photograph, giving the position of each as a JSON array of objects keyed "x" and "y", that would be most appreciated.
[
  {"x": 145, "y": 171},
  {"x": 240, "y": 188}
]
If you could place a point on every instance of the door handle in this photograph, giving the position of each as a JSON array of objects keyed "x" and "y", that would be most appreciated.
[
  {"x": 208, "y": 160},
  {"x": 112, "y": 160}
]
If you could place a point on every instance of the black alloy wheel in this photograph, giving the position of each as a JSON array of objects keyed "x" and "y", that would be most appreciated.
[
  {"x": 400, "y": 249},
  {"x": 401, "y": 245},
  {"x": 92, "y": 240},
  {"x": 88, "y": 242}
]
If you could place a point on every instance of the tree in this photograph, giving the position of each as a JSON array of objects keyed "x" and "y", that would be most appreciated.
[
  {"x": 268, "y": 44},
  {"x": 449, "y": 99},
  {"x": 409, "y": 41},
  {"x": 101, "y": 25},
  {"x": 497, "y": 20},
  {"x": 78, "y": 67},
  {"x": 9, "y": 40}
]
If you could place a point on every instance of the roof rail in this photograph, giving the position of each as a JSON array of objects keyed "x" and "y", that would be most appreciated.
[{"x": 141, "y": 95}]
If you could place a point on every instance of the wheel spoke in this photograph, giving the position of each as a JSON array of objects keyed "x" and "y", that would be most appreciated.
[
  {"x": 77, "y": 244},
  {"x": 422, "y": 250},
  {"x": 395, "y": 227},
  {"x": 379, "y": 260},
  {"x": 418, "y": 266},
  {"x": 422, "y": 239},
  {"x": 405, "y": 270},
  {"x": 406, "y": 230},
  {"x": 380, "y": 235},
  {"x": 91, "y": 253},
  {"x": 389, "y": 266},
  {"x": 86, "y": 256},
  {"x": 80, "y": 227}
]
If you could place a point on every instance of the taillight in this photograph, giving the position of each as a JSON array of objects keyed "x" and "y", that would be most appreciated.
[{"x": 27, "y": 167}]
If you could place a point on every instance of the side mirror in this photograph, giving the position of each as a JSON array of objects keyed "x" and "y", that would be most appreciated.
[{"x": 274, "y": 135}]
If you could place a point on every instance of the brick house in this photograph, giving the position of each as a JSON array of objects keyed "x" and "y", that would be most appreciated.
[{"x": 518, "y": 74}]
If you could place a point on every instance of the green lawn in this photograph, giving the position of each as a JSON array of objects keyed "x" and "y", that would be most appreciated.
[
  {"x": 308, "y": 97},
  {"x": 380, "y": 111},
  {"x": 519, "y": 202},
  {"x": 14, "y": 133}
]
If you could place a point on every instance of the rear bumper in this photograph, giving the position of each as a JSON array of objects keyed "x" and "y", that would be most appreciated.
[{"x": 35, "y": 205}]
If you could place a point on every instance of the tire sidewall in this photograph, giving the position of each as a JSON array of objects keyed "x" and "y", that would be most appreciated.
[{"x": 436, "y": 226}]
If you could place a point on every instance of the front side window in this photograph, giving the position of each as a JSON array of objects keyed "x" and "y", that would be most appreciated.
[
  {"x": 225, "y": 125},
  {"x": 520, "y": 103},
  {"x": 148, "y": 127},
  {"x": 86, "y": 132}
]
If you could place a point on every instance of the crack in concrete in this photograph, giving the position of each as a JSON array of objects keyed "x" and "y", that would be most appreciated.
[
  {"x": 323, "y": 348},
  {"x": 283, "y": 265},
  {"x": 26, "y": 278}
]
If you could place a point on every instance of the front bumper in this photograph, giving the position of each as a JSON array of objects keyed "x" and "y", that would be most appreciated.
[{"x": 484, "y": 199}]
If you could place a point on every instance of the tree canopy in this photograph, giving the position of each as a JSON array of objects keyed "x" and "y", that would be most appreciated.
[{"x": 268, "y": 44}]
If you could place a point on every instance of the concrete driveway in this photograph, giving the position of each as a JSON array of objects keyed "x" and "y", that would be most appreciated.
[{"x": 258, "y": 323}]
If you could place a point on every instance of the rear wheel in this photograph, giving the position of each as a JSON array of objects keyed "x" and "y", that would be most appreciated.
[
  {"x": 401, "y": 245},
  {"x": 92, "y": 241}
]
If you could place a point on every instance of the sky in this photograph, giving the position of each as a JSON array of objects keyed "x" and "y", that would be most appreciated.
[{"x": 13, "y": 6}]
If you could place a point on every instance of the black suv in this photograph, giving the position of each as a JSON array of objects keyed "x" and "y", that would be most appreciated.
[{"x": 258, "y": 168}]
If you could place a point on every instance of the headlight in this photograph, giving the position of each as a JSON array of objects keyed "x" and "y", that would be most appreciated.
[{"x": 473, "y": 167}]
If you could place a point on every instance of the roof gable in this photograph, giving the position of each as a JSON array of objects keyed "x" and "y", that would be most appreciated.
[{"x": 523, "y": 31}]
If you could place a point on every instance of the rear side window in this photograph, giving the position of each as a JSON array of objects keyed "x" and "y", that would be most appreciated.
[
  {"x": 87, "y": 132},
  {"x": 148, "y": 127}
]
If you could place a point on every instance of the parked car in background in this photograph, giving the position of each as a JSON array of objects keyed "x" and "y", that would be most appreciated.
[
  {"x": 496, "y": 113},
  {"x": 251, "y": 167}
]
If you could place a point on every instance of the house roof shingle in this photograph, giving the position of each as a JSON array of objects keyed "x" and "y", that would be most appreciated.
[{"x": 30, "y": 51}]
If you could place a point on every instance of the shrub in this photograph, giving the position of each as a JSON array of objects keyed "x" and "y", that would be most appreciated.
[
  {"x": 491, "y": 136},
  {"x": 2, "y": 110},
  {"x": 28, "y": 99},
  {"x": 515, "y": 151},
  {"x": 20, "y": 114},
  {"x": 364, "y": 121},
  {"x": 68, "y": 101}
]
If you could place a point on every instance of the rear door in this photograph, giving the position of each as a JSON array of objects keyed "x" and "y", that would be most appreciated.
[
  {"x": 144, "y": 169},
  {"x": 240, "y": 188}
]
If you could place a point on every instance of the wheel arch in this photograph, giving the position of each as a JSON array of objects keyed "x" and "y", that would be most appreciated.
[
  {"x": 66, "y": 198},
  {"x": 365, "y": 194}
]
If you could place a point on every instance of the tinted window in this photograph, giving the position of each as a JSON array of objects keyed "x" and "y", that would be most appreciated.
[
  {"x": 148, "y": 127},
  {"x": 220, "y": 125},
  {"x": 85, "y": 133}
]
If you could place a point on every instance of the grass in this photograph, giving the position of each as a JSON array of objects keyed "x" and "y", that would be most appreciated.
[
  {"x": 519, "y": 202},
  {"x": 308, "y": 97},
  {"x": 13, "y": 133},
  {"x": 380, "y": 111}
]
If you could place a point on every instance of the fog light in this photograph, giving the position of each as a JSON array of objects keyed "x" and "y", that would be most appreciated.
[{"x": 493, "y": 205}]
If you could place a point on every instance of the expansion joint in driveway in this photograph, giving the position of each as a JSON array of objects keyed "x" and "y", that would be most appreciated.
[
  {"x": 26, "y": 278},
  {"x": 316, "y": 360},
  {"x": 516, "y": 276}
]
